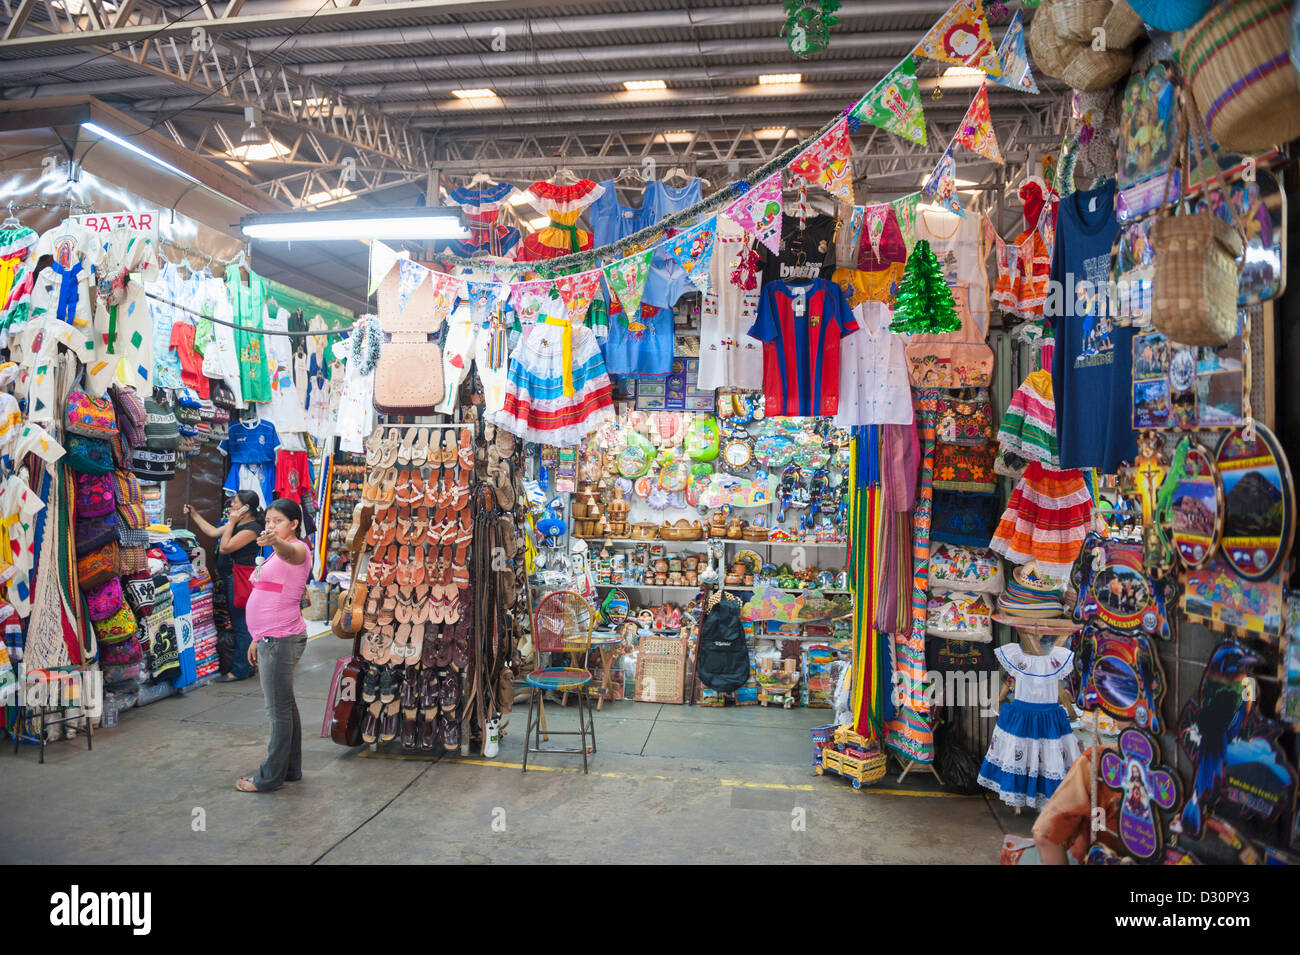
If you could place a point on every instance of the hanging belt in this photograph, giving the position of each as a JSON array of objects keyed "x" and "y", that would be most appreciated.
[{"x": 566, "y": 345}]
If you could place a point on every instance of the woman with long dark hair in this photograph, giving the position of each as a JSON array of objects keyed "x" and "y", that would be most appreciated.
[
  {"x": 279, "y": 638},
  {"x": 236, "y": 545}
]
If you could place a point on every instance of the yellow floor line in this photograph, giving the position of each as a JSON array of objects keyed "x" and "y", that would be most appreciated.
[{"x": 729, "y": 783}]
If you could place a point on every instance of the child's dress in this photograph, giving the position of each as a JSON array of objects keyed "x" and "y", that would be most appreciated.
[
  {"x": 1032, "y": 747},
  {"x": 563, "y": 204},
  {"x": 1047, "y": 517},
  {"x": 557, "y": 390},
  {"x": 1029, "y": 426}
]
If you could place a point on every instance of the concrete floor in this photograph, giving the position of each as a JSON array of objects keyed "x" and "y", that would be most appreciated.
[{"x": 670, "y": 784}]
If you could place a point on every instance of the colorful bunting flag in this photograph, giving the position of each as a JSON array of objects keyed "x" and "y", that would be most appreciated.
[
  {"x": 410, "y": 278},
  {"x": 446, "y": 292},
  {"x": 382, "y": 260},
  {"x": 962, "y": 38},
  {"x": 483, "y": 298},
  {"x": 894, "y": 104},
  {"x": 693, "y": 251},
  {"x": 536, "y": 300},
  {"x": 1015, "y": 62},
  {"x": 976, "y": 129},
  {"x": 828, "y": 162},
  {"x": 875, "y": 218},
  {"x": 905, "y": 210},
  {"x": 941, "y": 185},
  {"x": 577, "y": 291},
  {"x": 758, "y": 212},
  {"x": 627, "y": 278}
]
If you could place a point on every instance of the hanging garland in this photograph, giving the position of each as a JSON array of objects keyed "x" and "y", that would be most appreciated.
[{"x": 807, "y": 28}]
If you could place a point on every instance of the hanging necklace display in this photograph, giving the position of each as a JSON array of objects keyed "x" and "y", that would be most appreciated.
[
  {"x": 1259, "y": 501},
  {"x": 1241, "y": 773},
  {"x": 1197, "y": 507},
  {"x": 1147, "y": 786}
]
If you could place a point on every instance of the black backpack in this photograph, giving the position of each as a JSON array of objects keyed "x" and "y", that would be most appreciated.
[{"x": 723, "y": 655}]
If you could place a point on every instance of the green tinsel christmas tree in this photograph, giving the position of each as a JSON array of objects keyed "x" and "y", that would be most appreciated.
[{"x": 924, "y": 302}]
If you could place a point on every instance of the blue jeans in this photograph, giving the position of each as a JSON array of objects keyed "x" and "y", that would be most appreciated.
[
  {"x": 240, "y": 668},
  {"x": 276, "y": 660}
]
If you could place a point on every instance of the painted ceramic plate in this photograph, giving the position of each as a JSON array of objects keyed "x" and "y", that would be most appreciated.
[
  {"x": 1197, "y": 509},
  {"x": 1258, "y": 502}
]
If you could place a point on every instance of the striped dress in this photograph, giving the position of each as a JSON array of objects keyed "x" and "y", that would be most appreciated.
[
  {"x": 1046, "y": 520},
  {"x": 1029, "y": 425},
  {"x": 536, "y": 406}
]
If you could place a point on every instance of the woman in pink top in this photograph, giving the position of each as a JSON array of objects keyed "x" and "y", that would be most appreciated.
[{"x": 274, "y": 614}]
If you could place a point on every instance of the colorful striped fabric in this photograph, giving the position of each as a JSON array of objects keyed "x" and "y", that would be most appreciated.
[
  {"x": 1029, "y": 425},
  {"x": 1046, "y": 520},
  {"x": 910, "y": 734},
  {"x": 866, "y": 505}
]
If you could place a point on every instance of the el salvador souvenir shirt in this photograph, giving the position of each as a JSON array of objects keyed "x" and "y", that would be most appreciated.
[
  {"x": 1092, "y": 366},
  {"x": 801, "y": 326}
]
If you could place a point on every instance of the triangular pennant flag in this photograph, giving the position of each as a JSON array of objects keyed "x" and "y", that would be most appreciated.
[
  {"x": 577, "y": 291},
  {"x": 1015, "y": 62},
  {"x": 894, "y": 104},
  {"x": 941, "y": 185},
  {"x": 874, "y": 218},
  {"x": 536, "y": 300},
  {"x": 758, "y": 212},
  {"x": 382, "y": 260},
  {"x": 410, "y": 277},
  {"x": 627, "y": 278},
  {"x": 446, "y": 292},
  {"x": 483, "y": 299},
  {"x": 905, "y": 210},
  {"x": 828, "y": 162},
  {"x": 693, "y": 251},
  {"x": 976, "y": 129},
  {"x": 962, "y": 38}
]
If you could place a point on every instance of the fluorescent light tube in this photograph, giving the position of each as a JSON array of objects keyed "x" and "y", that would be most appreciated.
[
  {"x": 327, "y": 225},
  {"x": 127, "y": 144}
]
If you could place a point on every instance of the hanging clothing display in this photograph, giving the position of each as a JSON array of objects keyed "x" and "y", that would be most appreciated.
[
  {"x": 1028, "y": 427},
  {"x": 801, "y": 326},
  {"x": 874, "y": 387},
  {"x": 1024, "y": 265},
  {"x": 123, "y": 316},
  {"x": 564, "y": 204},
  {"x": 729, "y": 358},
  {"x": 558, "y": 390},
  {"x": 1046, "y": 520},
  {"x": 248, "y": 304},
  {"x": 805, "y": 254},
  {"x": 482, "y": 207}
]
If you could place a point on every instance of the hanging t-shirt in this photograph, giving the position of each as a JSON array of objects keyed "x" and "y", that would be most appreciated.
[
  {"x": 251, "y": 444},
  {"x": 801, "y": 326},
  {"x": 182, "y": 342},
  {"x": 804, "y": 255},
  {"x": 960, "y": 245},
  {"x": 643, "y": 347},
  {"x": 729, "y": 358},
  {"x": 249, "y": 304},
  {"x": 874, "y": 388},
  {"x": 292, "y": 477},
  {"x": 668, "y": 281},
  {"x": 1092, "y": 364}
]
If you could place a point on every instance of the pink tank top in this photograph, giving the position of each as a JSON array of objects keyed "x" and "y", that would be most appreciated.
[{"x": 275, "y": 606}]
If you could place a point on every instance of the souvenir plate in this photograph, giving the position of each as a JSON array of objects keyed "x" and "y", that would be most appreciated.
[
  {"x": 1259, "y": 502},
  {"x": 1197, "y": 509}
]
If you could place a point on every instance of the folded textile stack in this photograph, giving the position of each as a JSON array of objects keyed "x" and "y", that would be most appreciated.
[{"x": 1030, "y": 594}]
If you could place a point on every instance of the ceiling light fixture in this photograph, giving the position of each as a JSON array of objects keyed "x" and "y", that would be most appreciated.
[
  {"x": 779, "y": 79},
  {"x": 638, "y": 85},
  {"x": 427, "y": 223},
  {"x": 771, "y": 132},
  {"x": 677, "y": 136},
  {"x": 255, "y": 134},
  {"x": 474, "y": 94},
  {"x": 103, "y": 133}
]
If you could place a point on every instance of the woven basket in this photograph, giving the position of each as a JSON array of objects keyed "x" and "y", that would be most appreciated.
[
  {"x": 1194, "y": 289},
  {"x": 1096, "y": 69},
  {"x": 1076, "y": 19},
  {"x": 1051, "y": 53},
  {"x": 1123, "y": 26},
  {"x": 1238, "y": 65}
]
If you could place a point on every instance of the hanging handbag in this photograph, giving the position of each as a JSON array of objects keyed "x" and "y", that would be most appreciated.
[
  {"x": 962, "y": 468},
  {"x": 95, "y": 532},
  {"x": 92, "y": 417},
  {"x": 975, "y": 569},
  {"x": 1194, "y": 287},
  {"x": 408, "y": 375},
  {"x": 964, "y": 420},
  {"x": 98, "y": 566},
  {"x": 161, "y": 432},
  {"x": 130, "y": 415},
  {"x": 968, "y": 519},
  {"x": 131, "y": 560},
  {"x": 117, "y": 628},
  {"x": 89, "y": 455},
  {"x": 243, "y": 575},
  {"x": 126, "y": 488},
  {"x": 959, "y": 359},
  {"x": 104, "y": 600},
  {"x": 94, "y": 495}
]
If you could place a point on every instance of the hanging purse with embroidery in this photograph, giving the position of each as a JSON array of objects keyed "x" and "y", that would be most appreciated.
[
  {"x": 965, "y": 419},
  {"x": 92, "y": 417}
]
